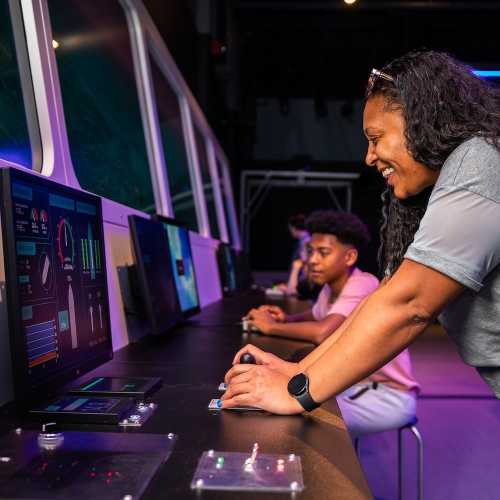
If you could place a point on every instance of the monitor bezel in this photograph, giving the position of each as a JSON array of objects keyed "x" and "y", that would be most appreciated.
[
  {"x": 170, "y": 220},
  {"x": 141, "y": 275},
  {"x": 25, "y": 391}
]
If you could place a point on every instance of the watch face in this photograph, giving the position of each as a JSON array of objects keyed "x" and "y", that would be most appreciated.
[{"x": 297, "y": 384}]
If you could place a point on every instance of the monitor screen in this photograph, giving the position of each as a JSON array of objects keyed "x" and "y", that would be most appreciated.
[
  {"x": 227, "y": 268},
  {"x": 154, "y": 271},
  {"x": 181, "y": 259},
  {"x": 56, "y": 282}
]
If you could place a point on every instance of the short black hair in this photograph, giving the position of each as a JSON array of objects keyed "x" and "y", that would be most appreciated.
[
  {"x": 298, "y": 221},
  {"x": 347, "y": 227}
]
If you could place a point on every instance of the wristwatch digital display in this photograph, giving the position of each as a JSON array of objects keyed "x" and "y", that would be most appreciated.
[{"x": 298, "y": 387}]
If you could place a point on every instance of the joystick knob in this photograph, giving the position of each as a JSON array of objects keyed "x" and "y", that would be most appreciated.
[
  {"x": 247, "y": 359},
  {"x": 50, "y": 438}
]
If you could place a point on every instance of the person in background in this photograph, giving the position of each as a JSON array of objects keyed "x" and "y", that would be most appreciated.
[
  {"x": 298, "y": 231},
  {"x": 297, "y": 277},
  {"x": 387, "y": 398}
]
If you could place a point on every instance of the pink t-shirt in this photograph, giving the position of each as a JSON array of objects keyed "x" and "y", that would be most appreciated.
[{"x": 398, "y": 372}]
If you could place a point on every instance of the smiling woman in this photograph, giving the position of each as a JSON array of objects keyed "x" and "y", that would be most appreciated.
[
  {"x": 387, "y": 150},
  {"x": 433, "y": 129}
]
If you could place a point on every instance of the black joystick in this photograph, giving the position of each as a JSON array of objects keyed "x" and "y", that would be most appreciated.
[{"x": 247, "y": 359}]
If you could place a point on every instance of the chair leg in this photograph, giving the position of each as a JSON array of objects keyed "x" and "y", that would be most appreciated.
[
  {"x": 400, "y": 463},
  {"x": 420, "y": 444}
]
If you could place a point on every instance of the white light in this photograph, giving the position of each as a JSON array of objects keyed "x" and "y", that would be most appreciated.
[
  {"x": 55, "y": 44},
  {"x": 349, "y": 2}
]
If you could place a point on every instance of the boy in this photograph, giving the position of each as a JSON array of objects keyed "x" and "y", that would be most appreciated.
[
  {"x": 387, "y": 398},
  {"x": 332, "y": 252}
]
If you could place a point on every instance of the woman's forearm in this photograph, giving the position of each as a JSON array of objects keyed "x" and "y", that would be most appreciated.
[
  {"x": 314, "y": 355},
  {"x": 380, "y": 330}
]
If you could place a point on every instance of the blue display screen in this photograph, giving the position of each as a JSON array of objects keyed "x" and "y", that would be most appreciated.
[
  {"x": 227, "y": 268},
  {"x": 182, "y": 266}
]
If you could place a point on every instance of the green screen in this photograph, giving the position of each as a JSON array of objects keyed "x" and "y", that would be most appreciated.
[
  {"x": 101, "y": 105},
  {"x": 174, "y": 149},
  {"x": 14, "y": 136}
]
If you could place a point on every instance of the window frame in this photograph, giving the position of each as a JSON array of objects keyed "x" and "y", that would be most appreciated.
[
  {"x": 48, "y": 112},
  {"x": 27, "y": 84},
  {"x": 164, "y": 62},
  {"x": 232, "y": 224}
]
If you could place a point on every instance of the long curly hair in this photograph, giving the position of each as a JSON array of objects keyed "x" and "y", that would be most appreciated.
[{"x": 443, "y": 104}]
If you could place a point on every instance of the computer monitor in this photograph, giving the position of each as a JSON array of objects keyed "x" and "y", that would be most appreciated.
[
  {"x": 57, "y": 295},
  {"x": 243, "y": 272},
  {"x": 227, "y": 268},
  {"x": 181, "y": 258},
  {"x": 154, "y": 272}
]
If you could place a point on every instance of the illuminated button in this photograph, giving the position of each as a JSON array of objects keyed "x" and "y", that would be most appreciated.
[{"x": 220, "y": 463}]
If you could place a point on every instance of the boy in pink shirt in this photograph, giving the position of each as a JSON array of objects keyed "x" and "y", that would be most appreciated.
[{"x": 387, "y": 398}]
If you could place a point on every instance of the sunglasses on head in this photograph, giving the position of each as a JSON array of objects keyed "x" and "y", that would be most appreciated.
[{"x": 375, "y": 74}]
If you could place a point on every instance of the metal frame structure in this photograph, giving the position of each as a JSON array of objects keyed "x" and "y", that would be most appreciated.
[
  {"x": 40, "y": 82},
  {"x": 256, "y": 184}
]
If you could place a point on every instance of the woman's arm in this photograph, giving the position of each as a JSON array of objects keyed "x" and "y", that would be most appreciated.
[
  {"x": 383, "y": 325},
  {"x": 387, "y": 322}
]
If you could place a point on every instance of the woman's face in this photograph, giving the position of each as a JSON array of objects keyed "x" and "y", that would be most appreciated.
[{"x": 384, "y": 128}]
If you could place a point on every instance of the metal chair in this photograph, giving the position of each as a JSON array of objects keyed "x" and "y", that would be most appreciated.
[{"x": 412, "y": 426}]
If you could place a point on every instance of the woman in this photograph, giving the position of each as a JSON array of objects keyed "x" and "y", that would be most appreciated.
[{"x": 430, "y": 124}]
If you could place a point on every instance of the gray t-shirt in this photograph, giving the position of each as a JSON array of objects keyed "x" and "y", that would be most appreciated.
[{"x": 459, "y": 236}]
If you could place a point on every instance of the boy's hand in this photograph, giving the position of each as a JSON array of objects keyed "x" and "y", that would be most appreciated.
[
  {"x": 276, "y": 312},
  {"x": 262, "y": 321}
]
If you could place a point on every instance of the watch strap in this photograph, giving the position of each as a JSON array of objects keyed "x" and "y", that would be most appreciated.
[{"x": 307, "y": 401}]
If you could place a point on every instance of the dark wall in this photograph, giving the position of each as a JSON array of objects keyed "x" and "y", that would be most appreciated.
[{"x": 287, "y": 51}]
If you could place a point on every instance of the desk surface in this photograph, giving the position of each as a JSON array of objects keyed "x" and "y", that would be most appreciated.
[{"x": 192, "y": 361}]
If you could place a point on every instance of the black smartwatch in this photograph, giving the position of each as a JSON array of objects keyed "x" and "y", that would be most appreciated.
[{"x": 298, "y": 387}]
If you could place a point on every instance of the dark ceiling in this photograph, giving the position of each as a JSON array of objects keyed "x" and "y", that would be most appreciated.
[
  {"x": 284, "y": 48},
  {"x": 306, "y": 48}
]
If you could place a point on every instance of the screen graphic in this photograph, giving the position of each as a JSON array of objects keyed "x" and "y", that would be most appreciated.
[
  {"x": 59, "y": 272},
  {"x": 227, "y": 268},
  {"x": 182, "y": 266}
]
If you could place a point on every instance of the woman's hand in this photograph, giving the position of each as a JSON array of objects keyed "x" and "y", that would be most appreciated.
[
  {"x": 268, "y": 360},
  {"x": 259, "y": 386}
]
